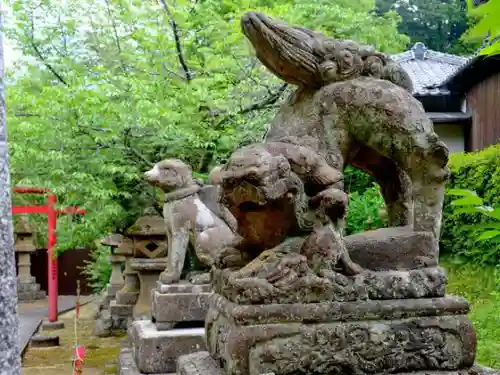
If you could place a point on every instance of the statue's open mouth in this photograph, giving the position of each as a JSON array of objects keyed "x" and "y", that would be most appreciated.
[{"x": 244, "y": 195}]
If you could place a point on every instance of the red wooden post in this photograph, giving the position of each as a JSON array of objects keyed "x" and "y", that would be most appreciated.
[
  {"x": 51, "y": 212},
  {"x": 51, "y": 257}
]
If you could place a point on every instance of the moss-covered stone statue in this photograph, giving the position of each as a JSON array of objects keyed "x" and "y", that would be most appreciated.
[{"x": 292, "y": 295}]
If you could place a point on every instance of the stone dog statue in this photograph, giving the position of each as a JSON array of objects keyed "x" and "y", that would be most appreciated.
[{"x": 188, "y": 220}]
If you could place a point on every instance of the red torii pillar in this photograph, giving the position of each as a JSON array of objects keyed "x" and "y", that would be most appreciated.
[{"x": 51, "y": 212}]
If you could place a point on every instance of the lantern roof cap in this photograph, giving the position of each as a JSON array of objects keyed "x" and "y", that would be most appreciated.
[
  {"x": 150, "y": 225},
  {"x": 113, "y": 240}
]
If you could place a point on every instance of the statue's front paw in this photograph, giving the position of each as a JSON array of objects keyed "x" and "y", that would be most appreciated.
[
  {"x": 169, "y": 277},
  {"x": 331, "y": 202},
  {"x": 229, "y": 257},
  {"x": 200, "y": 278}
]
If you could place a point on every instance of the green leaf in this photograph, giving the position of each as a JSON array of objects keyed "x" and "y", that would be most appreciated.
[{"x": 489, "y": 235}]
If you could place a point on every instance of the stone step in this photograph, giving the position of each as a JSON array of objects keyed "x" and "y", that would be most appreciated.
[
  {"x": 126, "y": 364},
  {"x": 30, "y": 296},
  {"x": 156, "y": 352},
  {"x": 122, "y": 310},
  {"x": 179, "y": 303},
  {"x": 28, "y": 287}
]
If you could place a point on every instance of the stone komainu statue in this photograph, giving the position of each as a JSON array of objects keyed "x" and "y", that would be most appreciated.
[
  {"x": 362, "y": 116},
  {"x": 189, "y": 222}
]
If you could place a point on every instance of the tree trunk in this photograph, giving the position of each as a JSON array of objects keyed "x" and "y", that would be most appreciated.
[{"x": 10, "y": 360}]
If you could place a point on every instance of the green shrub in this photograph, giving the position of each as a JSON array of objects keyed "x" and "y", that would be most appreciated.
[
  {"x": 98, "y": 269},
  {"x": 355, "y": 180},
  {"x": 365, "y": 210},
  {"x": 478, "y": 172}
]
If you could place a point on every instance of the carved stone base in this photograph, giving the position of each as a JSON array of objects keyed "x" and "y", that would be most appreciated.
[
  {"x": 362, "y": 337},
  {"x": 29, "y": 291},
  {"x": 181, "y": 303},
  {"x": 148, "y": 271},
  {"x": 202, "y": 363},
  {"x": 156, "y": 352},
  {"x": 373, "y": 285}
]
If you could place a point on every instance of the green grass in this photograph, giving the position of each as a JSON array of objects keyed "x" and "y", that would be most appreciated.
[{"x": 481, "y": 287}]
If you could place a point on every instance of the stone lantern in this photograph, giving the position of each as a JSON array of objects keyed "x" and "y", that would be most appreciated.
[
  {"x": 121, "y": 309},
  {"x": 116, "y": 260},
  {"x": 27, "y": 288},
  {"x": 150, "y": 250}
]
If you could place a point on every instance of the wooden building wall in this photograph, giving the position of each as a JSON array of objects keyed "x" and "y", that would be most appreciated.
[
  {"x": 483, "y": 101},
  {"x": 70, "y": 267}
]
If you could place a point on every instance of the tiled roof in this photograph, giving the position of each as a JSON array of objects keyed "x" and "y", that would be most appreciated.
[{"x": 428, "y": 68}]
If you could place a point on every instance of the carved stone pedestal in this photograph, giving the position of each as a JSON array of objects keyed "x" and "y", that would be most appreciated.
[
  {"x": 377, "y": 322},
  {"x": 148, "y": 271},
  {"x": 429, "y": 335},
  {"x": 176, "y": 328}
]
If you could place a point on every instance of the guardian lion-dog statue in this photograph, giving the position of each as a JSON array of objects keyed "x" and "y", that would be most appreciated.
[
  {"x": 188, "y": 220},
  {"x": 356, "y": 117}
]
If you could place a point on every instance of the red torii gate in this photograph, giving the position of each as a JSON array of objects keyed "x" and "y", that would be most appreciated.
[{"x": 51, "y": 212}]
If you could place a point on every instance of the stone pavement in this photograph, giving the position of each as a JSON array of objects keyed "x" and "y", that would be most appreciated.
[{"x": 32, "y": 314}]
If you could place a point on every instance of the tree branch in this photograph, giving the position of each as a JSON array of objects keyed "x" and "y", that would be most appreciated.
[
  {"x": 115, "y": 32},
  {"x": 260, "y": 105},
  {"x": 266, "y": 102},
  {"x": 41, "y": 57},
  {"x": 132, "y": 150},
  {"x": 178, "y": 45}
]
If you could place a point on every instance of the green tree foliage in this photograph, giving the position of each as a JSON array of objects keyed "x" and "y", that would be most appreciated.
[
  {"x": 487, "y": 27},
  {"x": 106, "y": 88},
  {"x": 438, "y": 24},
  {"x": 478, "y": 172},
  {"x": 470, "y": 203}
]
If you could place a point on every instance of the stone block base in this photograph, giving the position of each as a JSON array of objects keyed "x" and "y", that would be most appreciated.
[
  {"x": 181, "y": 303},
  {"x": 29, "y": 292},
  {"x": 107, "y": 295},
  {"x": 111, "y": 325},
  {"x": 116, "y": 320},
  {"x": 156, "y": 352},
  {"x": 361, "y": 337},
  {"x": 202, "y": 363},
  {"x": 148, "y": 271},
  {"x": 31, "y": 296},
  {"x": 126, "y": 298},
  {"x": 388, "y": 249},
  {"x": 127, "y": 366}
]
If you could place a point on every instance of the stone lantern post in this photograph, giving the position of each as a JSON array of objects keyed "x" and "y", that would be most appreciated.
[
  {"x": 122, "y": 307},
  {"x": 116, "y": 260},
  {"x": 150, "y": 250},
  {"x": 27, "y": 288}
]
